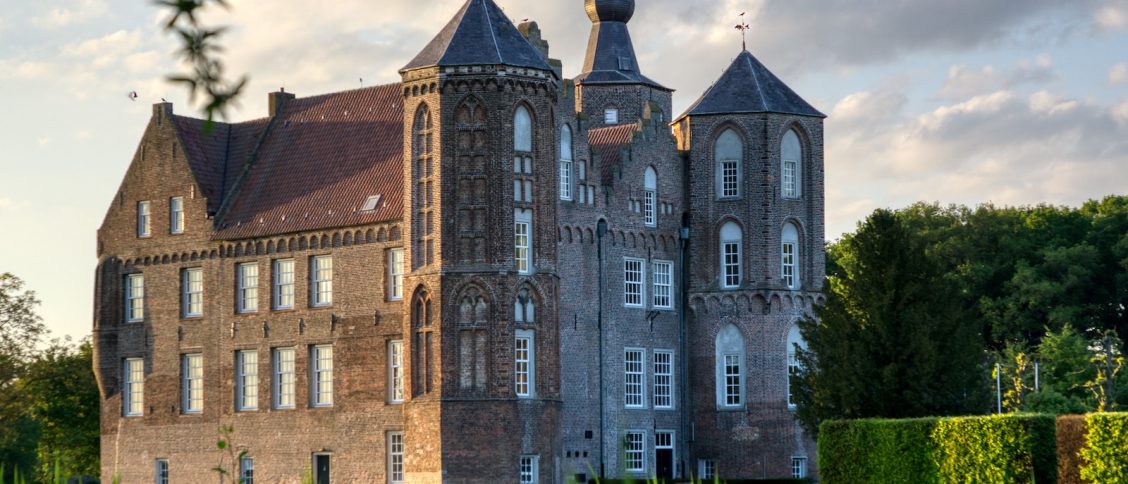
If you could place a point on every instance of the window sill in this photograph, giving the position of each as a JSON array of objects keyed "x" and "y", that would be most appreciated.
[
  {"x": 282, "y": 310},
  {"x": 192, "y": 317}
]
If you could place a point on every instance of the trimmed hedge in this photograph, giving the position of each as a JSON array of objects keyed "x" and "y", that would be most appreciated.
[
  {"x": 1105, "y": 454},
  {"x": 877, "y": 450}
]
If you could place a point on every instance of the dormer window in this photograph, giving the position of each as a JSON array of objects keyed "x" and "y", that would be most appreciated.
[
  {"x": 625, "y": 64},
  {"x": 611, "y": 115}
]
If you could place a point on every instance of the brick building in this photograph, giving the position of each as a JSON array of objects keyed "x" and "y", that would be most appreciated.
[{"x": 483, "y": 273}]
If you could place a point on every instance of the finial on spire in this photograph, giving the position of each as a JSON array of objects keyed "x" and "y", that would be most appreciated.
[{"x": 743, "y": 28}]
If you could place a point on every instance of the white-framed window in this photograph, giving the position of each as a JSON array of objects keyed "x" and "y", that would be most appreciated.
[
  {"x": 248, "y": 287},
  {"x": 529, "y": 469},
  {"x": 192, "y": 292},
  {"x": 395, "y": 457},
  {"x": 565, "y": 162},
  {"x": 246, "y": 470},
  {"x": 794, "y": 339},
  {"x": 729, "y": 355},
  {"x": 791, "y": 157},
  {"x": 321, "y": 381},
  {"x": 634, "y": 378},
  {"x": 134, "y": 298},
  {"x": 611, "y": 115},
  {"x": 321, "y": 280},
  {"x": 732, "y": 238},
  {"x": 395, "y": 371},
  {"x": 798, "y": 467},
  {"x": 663, "y": 284},
  {"x": 634, "y": 273},
  {"x": 160, "y": 471},
  {"x": 706, "y": 468},
  {"x": 284, "y": 284},
  {"x": 727, "y": 154},
  {"x": 395, "y": 274},
  {"x": 246, "y": 385},
  {"x": 524, "y": 364},
  {"x": 664, "y": 440},
  {"x": 634, "y": 451},
  {"x": 650, "y": 197},
  {"x": 522, "y": 240},
  {"x": 663, "y": 379},
  {"x": 789, "y": 256},
  {"x": 133, "y": 387},
  {"x": 284, "y": 378},
  {"x": 176, "y": 215},
  {"x": 192, "y": 383},
  {"x": 144, "y": 218}
]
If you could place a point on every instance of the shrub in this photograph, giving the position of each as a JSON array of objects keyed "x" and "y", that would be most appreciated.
[
  {"x": 877, "y": 450},
  {"x": 1070, "y": 440},
  {"x": 1105, "y": 454},
  {"x": 1003, "y": 448}
]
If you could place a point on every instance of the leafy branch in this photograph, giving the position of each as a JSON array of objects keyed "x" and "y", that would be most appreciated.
[{"x": 199, "y": 48}]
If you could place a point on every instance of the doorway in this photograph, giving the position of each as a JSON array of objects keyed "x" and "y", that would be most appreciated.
[
  {"x": 664, "y": 455},
  {"x": 321, "y": 468}
]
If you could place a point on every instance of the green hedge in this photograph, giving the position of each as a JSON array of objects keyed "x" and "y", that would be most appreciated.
[
  {"x": 876, "y": 450},
  {"x": 1105, "y": 455}
]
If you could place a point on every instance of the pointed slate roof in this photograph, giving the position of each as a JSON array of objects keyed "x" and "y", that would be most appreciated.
[
  {"x": 749, "y": 87},
  {"x": 610, "y": 55},
  {"x": 479, "y": 34}
]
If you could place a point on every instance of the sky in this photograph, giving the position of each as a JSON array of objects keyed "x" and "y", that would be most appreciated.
[{"x": 1012, "y": 102}]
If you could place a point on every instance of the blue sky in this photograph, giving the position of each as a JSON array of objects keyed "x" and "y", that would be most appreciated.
[{"x": 959, "y": 101}]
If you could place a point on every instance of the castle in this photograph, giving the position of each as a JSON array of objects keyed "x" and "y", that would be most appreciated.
[{"x": 483, "y": 273}]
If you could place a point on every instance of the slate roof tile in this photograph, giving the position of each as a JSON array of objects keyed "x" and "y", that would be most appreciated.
[
  {"x": 749, "y": 87},
  {"x": 479, "y": 34}
]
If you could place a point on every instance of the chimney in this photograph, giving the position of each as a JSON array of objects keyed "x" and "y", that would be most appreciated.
[
  {"x": 162, "y": 109},
  {"x": 278, "y": 101}
]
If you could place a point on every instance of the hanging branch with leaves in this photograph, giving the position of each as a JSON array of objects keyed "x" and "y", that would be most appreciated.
[{"x": 200, "y": 46}]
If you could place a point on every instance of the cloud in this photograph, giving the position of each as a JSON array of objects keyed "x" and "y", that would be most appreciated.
[
  {"x": 80, "y": 12},
  {"x": 1118, "y": 74},
  {"x": 6, "y": 203},
  {"x": 963, "y": 82},
  {"x": 1120, "y": 113},
  {"x": 1112, "y": 17}
]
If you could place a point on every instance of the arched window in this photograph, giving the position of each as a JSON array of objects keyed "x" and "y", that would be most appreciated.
[
  {"x": 524, "y": 345},
  {"x": 791, "y": 169},
  {"x": 423, "y": 224},
  {"x": 524, "y": 307},
  {"x": 793, "y": 339},
  {"x": 522, "y": 130},
  {"x": 423, "y": 364},
  {"x": 473, "y": 312},
  {"x": 565, "y": 162},
  {"x": 729, "y": 353},
  {"x": 523, "y": 190},
  {"x": 732, "y": 239},
  {"x": 650, "y": 196},
  {"x": 728, "y": 154},
  {"x": 789, "y": 256}
]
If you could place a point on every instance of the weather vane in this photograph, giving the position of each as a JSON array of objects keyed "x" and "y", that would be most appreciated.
[{"x": 743, "y": 28}]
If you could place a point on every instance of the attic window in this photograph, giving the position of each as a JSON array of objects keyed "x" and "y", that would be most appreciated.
[
  {"x": 624, "y": 63},
  {"x": 371, "y": 203}
]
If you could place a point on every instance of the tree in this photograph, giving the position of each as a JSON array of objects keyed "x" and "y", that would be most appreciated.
[
  {"x": 1109, "y": 360},
  {"x": 894, "y": 338},
  {"x": 20, "y": 331},
  {"x": 1064, "y": 365},
  {"x": 62, "y": 398}
]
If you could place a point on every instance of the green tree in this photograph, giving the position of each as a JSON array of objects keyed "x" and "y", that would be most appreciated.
[
  {"x": 20, "y": 331},
  {"x": 1064, "y": 368},
  {"x": 894, "y": 338},
  {"x": 1108, "y": 358},
  {"x": 62, "y": 398}
]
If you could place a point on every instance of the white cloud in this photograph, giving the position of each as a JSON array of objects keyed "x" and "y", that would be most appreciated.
[
  {"x": 105, "y": 51},
  {"x": 1112, "y": 16},
  {"x": 1118, "y": 74},
  {"x": 79, "y": 12},
  {"x": 964, "y": 82},
  {"x": 1120, "y": 113}
]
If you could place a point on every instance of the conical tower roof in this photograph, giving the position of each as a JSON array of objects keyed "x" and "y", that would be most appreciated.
[
  {"x": 749, "y": 87},
  {"x": 479, "y": 34}
]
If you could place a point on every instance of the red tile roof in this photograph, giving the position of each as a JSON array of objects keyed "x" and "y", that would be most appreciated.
[
  {"x": 218, "y": 158},
  {"x": 607, "y": 142}
]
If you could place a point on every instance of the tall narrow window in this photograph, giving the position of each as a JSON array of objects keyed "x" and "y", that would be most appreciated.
[
  {"x": 663, "y": 379},
  {"x": 284, "y": 284},
  {"x": 144, "y": 219},
  {"x": 794, "y": 341},
  {"x": 732, "y": 238},
  {"x": 634, "y": 449},
  {"x": 650, "y": 197},
  {"x": 798, "y": 467},
  {"x": 423, "y": 172},
  {"x": 176, "y": 215},
  {"x": 248, "y": 287},
  {"x": 529, "y": 471},
  {"x": 321, "y": 280},
  {"x": 663, "y": 284},
  {"x": 160, "y": 473},
  {"x": 395, "y": 457},
  {"x": 284, "y": 378},
  {"x": 633, "y": 377},
  {"x": 133, "y": 388},
  {"x": 728, "y": 154},
  {"x": 246, "y": 385},
  {"x": 522, "y": 240},
  {"x": 565, "y": 163},
  {"x": 523, "y": 156},
  {"x": 789, "y": 256},
  {"x": 422, "y": 368},
  {"x": 192, "y": 292},
  {"x": 729, "y": 350},
  {"x": 395, "y": 371},
  {"x": 791, "y": 158},
  {"x": 633, "y": 275},
  {"x": 321, "y": 383},
  {"x": 395, "y": 274},
  {"x": 246, "y": 470},
  {"x": 192, "y": 388},
  {"x": 524, "y": 364},
  {"x": 134, "y": 298}
]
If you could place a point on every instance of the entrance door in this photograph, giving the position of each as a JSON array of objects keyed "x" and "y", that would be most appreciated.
[
  {"x": 664, "y": 455},
  {"x": 321, "y": 468}
]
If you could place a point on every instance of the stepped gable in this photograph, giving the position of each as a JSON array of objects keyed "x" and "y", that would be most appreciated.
[
  {"x": 217, "y": 158},
  {"x": 608, "y": 143},
  {"x": 748, "y": 87},
  {"x": 479, "y": 34},
  {"x": 320, "y": 161}
]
